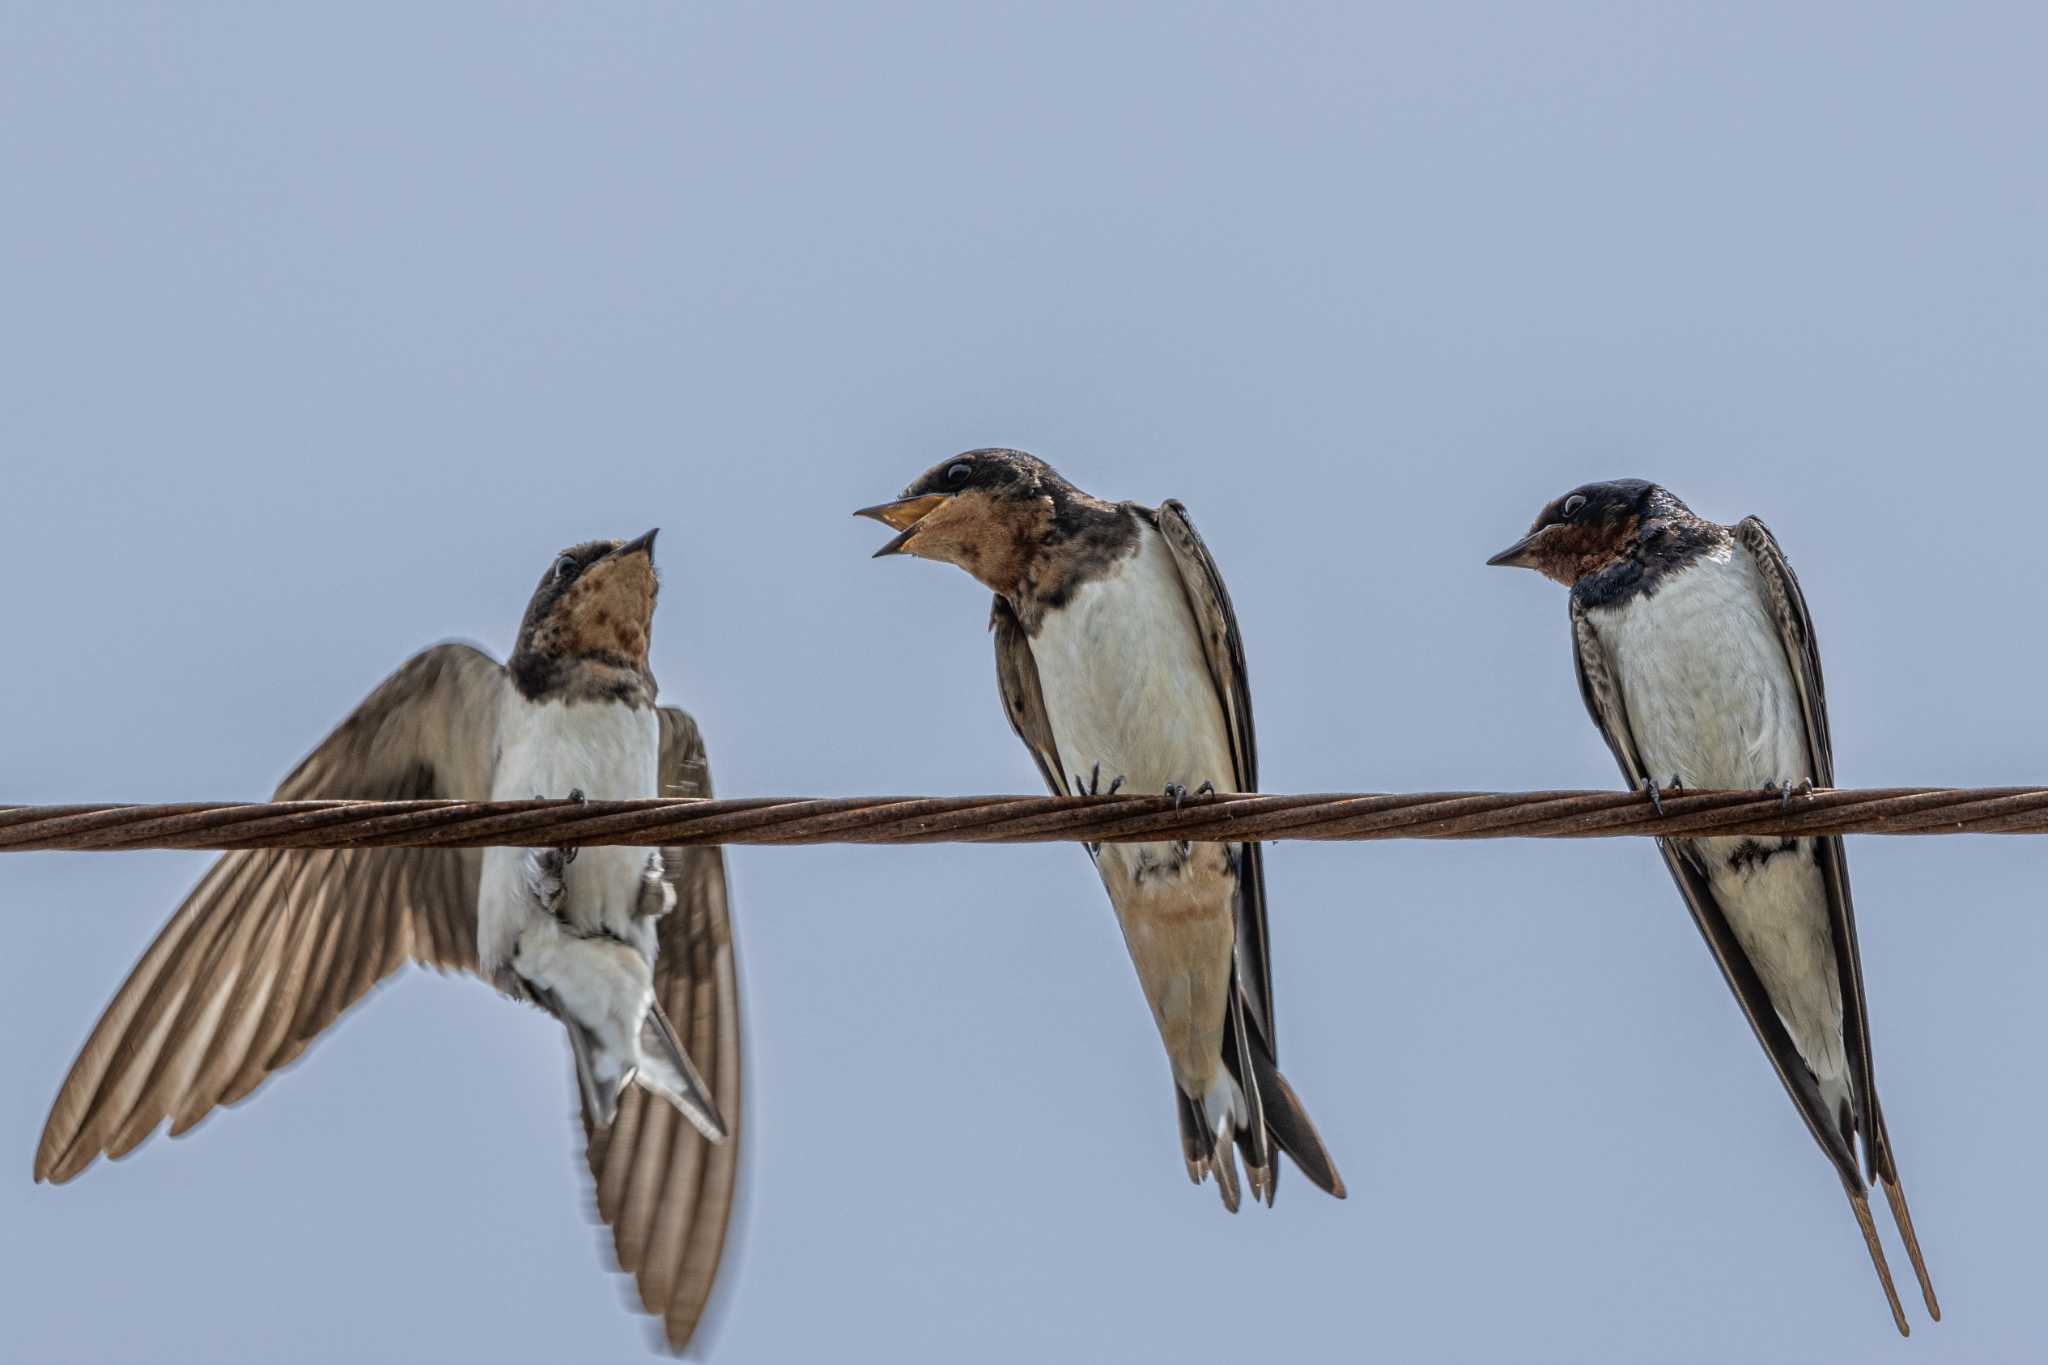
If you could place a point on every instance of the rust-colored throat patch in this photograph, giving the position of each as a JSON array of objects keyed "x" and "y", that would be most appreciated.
[{"x": 608, "y": 610}]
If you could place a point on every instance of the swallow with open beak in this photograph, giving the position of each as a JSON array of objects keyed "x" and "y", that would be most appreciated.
[
  {"x": 1697, "y": 661},
  {"x": 273, "y": 945},
  {"x": 1120, "y": 665}
]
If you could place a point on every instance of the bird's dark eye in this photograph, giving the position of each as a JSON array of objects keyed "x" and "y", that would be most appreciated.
[
  {"x": 564, "y": 567},
  {"x": 1574, "y": 504},
  {"x": 959, "y": 472}
]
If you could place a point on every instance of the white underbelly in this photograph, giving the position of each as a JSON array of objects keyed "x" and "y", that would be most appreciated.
[
  {"x": 1712, "y": 703},
  {"x": 1127, "y": 686},
  {"x": 609, "y": 752},
  {"x": 1126, "y": 683},
  {"x": 1711, "y": 697}
]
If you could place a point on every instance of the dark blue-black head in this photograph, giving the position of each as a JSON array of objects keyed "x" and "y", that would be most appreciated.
[{"x": 1589, "y": 527}]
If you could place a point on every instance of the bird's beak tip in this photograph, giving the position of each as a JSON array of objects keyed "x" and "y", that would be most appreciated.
[
  {"x": 1514, "y": 557},
  {"x": 903, "y": 516}
]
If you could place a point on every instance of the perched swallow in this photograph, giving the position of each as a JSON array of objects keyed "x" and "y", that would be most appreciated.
[
  {"x": 1696, "y": 659},
  {"x": 272, "y": 946},
  {"x": 1119, "y": 661}
]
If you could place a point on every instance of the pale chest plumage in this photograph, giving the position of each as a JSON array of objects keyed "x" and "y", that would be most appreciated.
[
  {"x": 1126, "y": 683},
  {"x": 1710, "y": 693},
  {"x": 608, "y": 751},
  {"x": 1712, "y": 702}
]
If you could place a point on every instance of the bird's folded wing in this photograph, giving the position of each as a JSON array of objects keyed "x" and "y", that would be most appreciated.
[
  {"x": 1023, "y": 702},
  {"x": 663, "y": 1188},
  {"x": 1223, "y": 646},
  {"x": 1600, "y": 686},
  {"x": 272, "y": 945},
  {"x": 1787, "y": 606}
]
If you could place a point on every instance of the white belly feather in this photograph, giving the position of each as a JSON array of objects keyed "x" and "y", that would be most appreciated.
[
  {"x": 1126, "y": 683},
  {"x": 608, "y": 751},
  {"x": 1127, "y": 686},
  {"x": 1712, "y": 702}
]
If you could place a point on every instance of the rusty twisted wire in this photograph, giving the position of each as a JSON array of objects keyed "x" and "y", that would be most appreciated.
[{"x": 1019, "y": 819}]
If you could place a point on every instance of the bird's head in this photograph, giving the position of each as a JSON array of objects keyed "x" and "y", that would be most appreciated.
[
  {"x": 987, "y": 511},
  {"x": 595, "y": 602},
  {"x": 1589, "y": 528}
]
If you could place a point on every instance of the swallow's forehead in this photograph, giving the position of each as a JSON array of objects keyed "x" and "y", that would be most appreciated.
[
  {"x": 1604, "y": 493},
  {"x": 988, "y": 467},
  {"x": 589, "y": 550}
]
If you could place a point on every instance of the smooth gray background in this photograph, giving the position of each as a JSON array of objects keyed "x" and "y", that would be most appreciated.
[{"x": 323, "y": 330}]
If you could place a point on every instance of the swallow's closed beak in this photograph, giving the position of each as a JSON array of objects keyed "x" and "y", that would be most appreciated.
[
  {"x": 904, "y": 514},
  {"x": 643, "y": 546},
  {"x": 1515, "y": 556}
]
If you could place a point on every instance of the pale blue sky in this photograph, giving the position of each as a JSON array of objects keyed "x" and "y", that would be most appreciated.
[{"x": 325, "y": 327}]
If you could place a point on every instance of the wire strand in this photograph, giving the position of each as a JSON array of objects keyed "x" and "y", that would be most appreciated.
[{"x": 1019, "y": 819}]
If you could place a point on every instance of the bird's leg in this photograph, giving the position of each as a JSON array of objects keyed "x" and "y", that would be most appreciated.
[
  {"x": 544, "y": 879},
  {"x": 1179, "y": 794},
  {"x": 1093, "y": 786},
  {"x": 568, "y": 851},
  {"x": 1785, "y": 789},
  {"x": 1206, "y": 789},
  {"x": 1650, "y": 789},
  {"x": 657, "y": 897}
]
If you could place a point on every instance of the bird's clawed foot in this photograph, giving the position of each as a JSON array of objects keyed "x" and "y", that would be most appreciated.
[
  {"x": 567, "y": 852},
  {"x": 1093, "y": 786},
  {"x": 1786, "y": 789},
  {"x": 544, "y": 878},
  {"x": 1656, "y": 795}
]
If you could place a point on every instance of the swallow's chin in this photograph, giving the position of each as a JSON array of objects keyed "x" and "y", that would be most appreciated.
[
  {"x": 903, "y": 515},
  {"x": 609, "y": 609}
]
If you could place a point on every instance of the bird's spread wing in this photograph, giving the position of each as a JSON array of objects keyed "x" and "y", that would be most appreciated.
[
  {"x": 663, "y": 1188},
  {"x": 1601, "y": 688},
  {"x": 1023, "y": 702},
  {"x": 273, "y": 945},
  {"x": 1223, "y": 646}
]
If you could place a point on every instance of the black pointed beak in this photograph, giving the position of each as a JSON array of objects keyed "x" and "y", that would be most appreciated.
[
  {"x": 643, "y": 546},
  {"x": 1514, "y": 557},
  {"x": 904, "y": 514}
]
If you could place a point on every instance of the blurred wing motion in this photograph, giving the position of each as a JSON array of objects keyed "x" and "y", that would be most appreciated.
[
  {"x": 666, "y": 1191},
  {"x": 273, "y": 945}
]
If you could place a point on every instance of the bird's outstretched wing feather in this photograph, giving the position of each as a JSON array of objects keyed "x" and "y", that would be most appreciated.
[
  {"x": 666, "y": 1191},
  {"x": 273, "y": 945}
]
